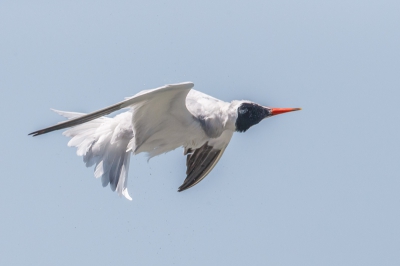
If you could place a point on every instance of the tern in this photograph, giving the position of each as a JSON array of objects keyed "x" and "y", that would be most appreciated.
[{"x": 158, "y": 121}]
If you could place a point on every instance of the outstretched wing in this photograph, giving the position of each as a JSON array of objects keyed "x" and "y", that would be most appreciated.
[
  {"x": 181, "y": 88},
  {"x": 201, "y": 161}
]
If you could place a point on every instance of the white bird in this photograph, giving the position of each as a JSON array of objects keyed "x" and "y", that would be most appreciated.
[{"x": 158, "y": 121}]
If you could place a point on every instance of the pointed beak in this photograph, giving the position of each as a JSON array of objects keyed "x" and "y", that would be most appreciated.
[{"x": 278, "y": 111}]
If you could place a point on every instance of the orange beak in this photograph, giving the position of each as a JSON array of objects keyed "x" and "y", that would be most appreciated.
[{"x": 278, "y": 111}]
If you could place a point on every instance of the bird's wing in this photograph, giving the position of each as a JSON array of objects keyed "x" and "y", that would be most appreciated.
[
  {"x": 181, "y": 89},
  {"x": 201, "y": 161}
]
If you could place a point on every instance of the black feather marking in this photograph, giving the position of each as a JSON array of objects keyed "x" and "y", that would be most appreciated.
[
  {"x": 198, "y": 165},
  {"x": 250, "y": 114}
]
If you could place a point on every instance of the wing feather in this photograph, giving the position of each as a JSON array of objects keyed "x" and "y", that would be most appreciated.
[
  {"x": 202, "y": 160},
  {"x": 141, "y": 96}
]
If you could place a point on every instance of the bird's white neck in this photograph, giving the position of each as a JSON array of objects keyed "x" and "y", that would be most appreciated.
[{"x": 230, "y": 115}]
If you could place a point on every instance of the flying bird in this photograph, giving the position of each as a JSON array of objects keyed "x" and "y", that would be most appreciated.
[{"x": 158, "y": 121}]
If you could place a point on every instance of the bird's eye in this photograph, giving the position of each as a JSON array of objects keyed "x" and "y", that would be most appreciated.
[{"x": 243, "y": 111}]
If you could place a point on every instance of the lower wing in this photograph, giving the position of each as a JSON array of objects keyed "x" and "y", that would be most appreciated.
[{"x": 201, "y": 161}]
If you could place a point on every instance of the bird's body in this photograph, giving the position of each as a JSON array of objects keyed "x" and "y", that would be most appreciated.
[{"x": 158, "y": 121}]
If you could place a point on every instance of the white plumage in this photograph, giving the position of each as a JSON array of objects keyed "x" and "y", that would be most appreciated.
[
  {"x": 158, "y": 121},
  {"x": 103, "y": 142}
]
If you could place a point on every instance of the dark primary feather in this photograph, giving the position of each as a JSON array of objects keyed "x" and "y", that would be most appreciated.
[
  {"x": 79, "y": 120},
  {"x": 198, "y": 165}
]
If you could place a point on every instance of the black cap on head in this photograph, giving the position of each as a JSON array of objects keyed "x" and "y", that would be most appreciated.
[{"x": 250, "y": 114}]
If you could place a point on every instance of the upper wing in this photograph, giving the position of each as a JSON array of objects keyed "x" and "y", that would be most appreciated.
[
  {"x": 181, "y": 88},
  {"x": 200, "y": 162}
]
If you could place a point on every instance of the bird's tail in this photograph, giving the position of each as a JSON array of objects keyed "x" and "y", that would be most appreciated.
[{"x": 103, "y": 142}]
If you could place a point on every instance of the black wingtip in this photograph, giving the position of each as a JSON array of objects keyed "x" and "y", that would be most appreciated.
[
  {"x": 35, "y": 133},
  {"x": 186, "y": 185},
  {"x": 182, "y": 188}
]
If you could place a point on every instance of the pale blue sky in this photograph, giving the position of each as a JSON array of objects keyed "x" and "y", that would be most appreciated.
[{"x": 316, "y": 187}]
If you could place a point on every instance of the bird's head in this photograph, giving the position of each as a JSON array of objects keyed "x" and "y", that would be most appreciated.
[{"x": 250, "y": 114}]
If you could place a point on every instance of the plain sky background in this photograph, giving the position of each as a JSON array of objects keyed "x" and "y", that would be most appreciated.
[{"x": 316, "y": 187}]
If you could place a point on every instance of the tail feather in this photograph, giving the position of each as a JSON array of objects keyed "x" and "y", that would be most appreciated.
[{"x": 103, "y": 142}]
